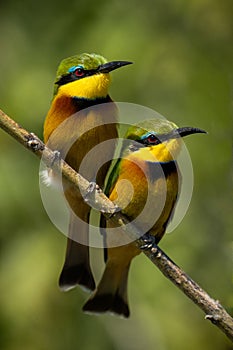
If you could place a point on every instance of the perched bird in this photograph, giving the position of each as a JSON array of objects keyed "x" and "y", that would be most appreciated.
[
  {"x": 147, "y": 168},
  {"x": 74, "y": 126}
]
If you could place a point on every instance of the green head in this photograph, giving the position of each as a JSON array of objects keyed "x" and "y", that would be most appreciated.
[
  {"x": 156, "y": 126},
  {"x": 158, "y": 133},
  {"x": 85, "y": 65},
  {"x": 160, "y": 130}
]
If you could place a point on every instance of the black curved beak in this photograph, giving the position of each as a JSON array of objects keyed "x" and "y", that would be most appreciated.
[
  {"x": 188, "y": 130},
  {"x": 109, "y": 66},
  {"x": 180, "y": 132}
]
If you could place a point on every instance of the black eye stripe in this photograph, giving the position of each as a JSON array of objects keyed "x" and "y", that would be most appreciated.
[
  {"x": 79, "y": 73},
  {"x": 65, "y": 79}
]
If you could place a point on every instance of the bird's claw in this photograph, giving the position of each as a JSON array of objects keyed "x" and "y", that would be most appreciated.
[
  {"x": 34, "y": 142},
  {"x": 90, "y": 191},
  {"x": 149, "y": 241},
  {"x": 92, "y": 187},
  {"x": 56, "y": 157}
]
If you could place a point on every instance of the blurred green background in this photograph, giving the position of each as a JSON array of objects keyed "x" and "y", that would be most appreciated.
[{"x": 182, "y": 54}]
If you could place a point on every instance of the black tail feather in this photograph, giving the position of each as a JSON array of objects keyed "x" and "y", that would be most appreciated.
[
  {"x": 71, "y": 276},
  {"x": 107, "y": 303},
  {"x": 76, "y": 269}
]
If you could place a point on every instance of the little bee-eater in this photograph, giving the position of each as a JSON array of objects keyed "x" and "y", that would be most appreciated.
[
  {"x": 74, "y": 128},
  {"x": 147, "y": 165}
]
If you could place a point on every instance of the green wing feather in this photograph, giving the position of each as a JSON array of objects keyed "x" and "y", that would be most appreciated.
[
  {"x": 110, "y": 184},
  {"x": 112, "y": 177}
]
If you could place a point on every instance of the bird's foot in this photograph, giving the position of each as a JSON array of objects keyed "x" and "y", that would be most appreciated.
[
  {"x": 92, "y": 187},
  {"x": 149, "y": 241},
  {"x": 34, "y": 142},
  {"x": 90, "y": 191},
  {"x": 56, "y": 157}
]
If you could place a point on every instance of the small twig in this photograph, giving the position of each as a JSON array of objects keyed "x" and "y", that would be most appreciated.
[{"x": 213, "y": 309}]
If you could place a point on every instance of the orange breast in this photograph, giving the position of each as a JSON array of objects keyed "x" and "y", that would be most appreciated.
[
  {"x": 130, "y": 191},
  {"x": 62, "y": 107}
]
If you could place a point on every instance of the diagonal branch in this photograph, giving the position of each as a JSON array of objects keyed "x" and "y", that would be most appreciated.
[{"x": 212, "y": 308}]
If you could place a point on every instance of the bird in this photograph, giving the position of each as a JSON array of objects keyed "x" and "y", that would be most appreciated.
[
  {"x": 82, "y": 115},
  {"x": 147, "y": 166}
]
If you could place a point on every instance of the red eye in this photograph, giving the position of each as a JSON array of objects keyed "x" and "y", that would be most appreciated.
[
  {"x": 152, "y": 139},
  {"x": 79, "y": 72}
]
